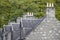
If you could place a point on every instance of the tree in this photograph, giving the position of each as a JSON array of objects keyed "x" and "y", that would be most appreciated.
[{"x": 11, "y": 9}]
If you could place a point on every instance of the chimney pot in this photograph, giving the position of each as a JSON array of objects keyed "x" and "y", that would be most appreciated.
[
  {"x": 28, "y": 14},
  {"x": 32, "y": 13},
  {"x": 50, "y": 5},
  {"x": 47, "y": 5}
]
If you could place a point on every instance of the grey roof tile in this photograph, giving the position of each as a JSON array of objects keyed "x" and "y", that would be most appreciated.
[{"x": 29, "y": 25}]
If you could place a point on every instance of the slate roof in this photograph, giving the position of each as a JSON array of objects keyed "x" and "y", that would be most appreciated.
[{"x": 28, "y": 24}]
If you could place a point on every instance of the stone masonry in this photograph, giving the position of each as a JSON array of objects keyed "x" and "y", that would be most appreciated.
[
  {"x": 49, "y": 28},
  {"x": 30, "y": 28}
]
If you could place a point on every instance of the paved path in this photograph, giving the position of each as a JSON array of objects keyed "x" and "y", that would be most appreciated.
[{"x": 49, "y": 29}]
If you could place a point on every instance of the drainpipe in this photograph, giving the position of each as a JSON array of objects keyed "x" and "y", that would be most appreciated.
[
  {"x": 2, "y": 35},
  {"x": 21, "y": 31},
  {"x": 11, "y": 32}
]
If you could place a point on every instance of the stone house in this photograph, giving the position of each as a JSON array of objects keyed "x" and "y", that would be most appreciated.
[{"x": 30, "y": 28}]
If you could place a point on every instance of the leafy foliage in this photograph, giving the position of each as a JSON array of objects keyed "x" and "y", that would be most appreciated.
[
  {"x": 57, "y": 6},
  {"x": 11, "y": 9}
]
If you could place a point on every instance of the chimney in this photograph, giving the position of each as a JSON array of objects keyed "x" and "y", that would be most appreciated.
[
  {"x": 30, "y": 14},
  {"x": 50, "y": 10},
  {"x": 50, "y": 5},
  {"x": 47, "y": 5}
]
